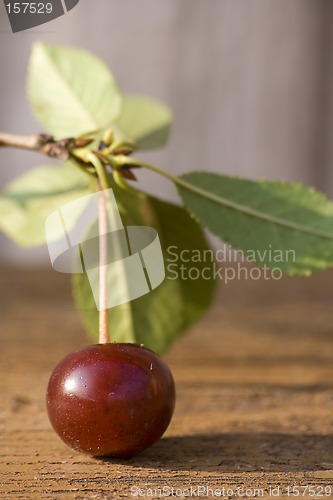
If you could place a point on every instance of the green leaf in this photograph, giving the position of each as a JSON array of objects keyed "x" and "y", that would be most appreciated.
[
  {"x": 157, "y": 318},
  {"x": 277, "y": 224},
  {"x": 29, "y": 199},
  {"x": 71, "y": 91},
  {"x": 144, "y": 121}
]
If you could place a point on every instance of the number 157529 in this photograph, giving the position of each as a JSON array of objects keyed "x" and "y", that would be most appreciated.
[{"x": 29, "y": 8}]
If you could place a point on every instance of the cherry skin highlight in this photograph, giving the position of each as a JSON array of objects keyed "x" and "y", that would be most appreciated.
[{"x": 111, "y": 399}]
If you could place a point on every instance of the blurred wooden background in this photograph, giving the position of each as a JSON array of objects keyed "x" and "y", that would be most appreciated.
[{"x": 249, "y": 81}]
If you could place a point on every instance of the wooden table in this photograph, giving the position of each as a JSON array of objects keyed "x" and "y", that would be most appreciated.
[{"x": 254, "y": 396}]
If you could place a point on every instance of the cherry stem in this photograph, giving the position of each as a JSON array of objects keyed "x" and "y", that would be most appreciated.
[
  {"x": 103, "y": 268},
  {"x": 103, "y": 184}
]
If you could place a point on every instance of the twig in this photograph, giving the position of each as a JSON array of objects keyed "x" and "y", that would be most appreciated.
[
  {"x": 41, "y": 143},
  {"x": 33, "y": 142}
]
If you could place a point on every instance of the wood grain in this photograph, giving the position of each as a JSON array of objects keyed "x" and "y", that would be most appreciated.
[{"x": 254, "y": 394}]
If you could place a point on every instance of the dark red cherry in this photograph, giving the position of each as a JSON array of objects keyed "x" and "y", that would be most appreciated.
[{"x": 111, "y": 399}]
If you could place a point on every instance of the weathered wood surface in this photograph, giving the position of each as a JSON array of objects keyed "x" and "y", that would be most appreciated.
[{"x": 254, "y": 383}]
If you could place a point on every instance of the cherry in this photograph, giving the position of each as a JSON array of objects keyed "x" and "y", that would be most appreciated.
[{"x": 111, "y": 399}]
